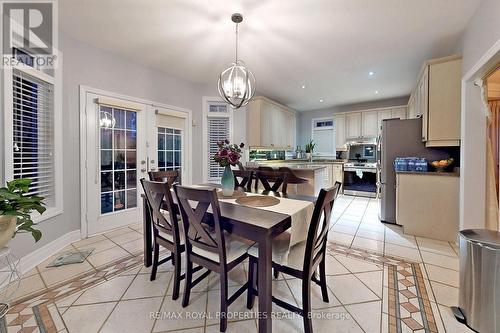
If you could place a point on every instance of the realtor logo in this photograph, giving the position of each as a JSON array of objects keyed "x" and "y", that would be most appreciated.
[{"x": 28, "y": 29}]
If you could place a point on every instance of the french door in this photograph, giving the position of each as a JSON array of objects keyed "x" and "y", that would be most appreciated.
[{"x": 125, "y": 140}]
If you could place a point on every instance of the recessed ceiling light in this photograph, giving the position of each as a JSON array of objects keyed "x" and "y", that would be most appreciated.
[
  {"x": 371, "y": 73},
  {"x": 303, "y": 86},
  {"x": 376, "y": 92},
  {"x": 321, "y": 100}
]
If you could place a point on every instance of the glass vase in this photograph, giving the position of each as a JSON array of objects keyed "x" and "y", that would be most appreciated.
[{"x": 227, "y": 181}]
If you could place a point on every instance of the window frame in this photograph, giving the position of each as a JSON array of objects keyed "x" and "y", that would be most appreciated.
[
  {"x": 8, "y": 165},
  {"x": 206, "y": 102}
]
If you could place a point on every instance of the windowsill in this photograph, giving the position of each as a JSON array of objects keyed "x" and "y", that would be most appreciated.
[{"x": 48, "y": 214}]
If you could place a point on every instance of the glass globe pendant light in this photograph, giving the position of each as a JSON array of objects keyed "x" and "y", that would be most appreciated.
[{"x": 236, "y": 83}]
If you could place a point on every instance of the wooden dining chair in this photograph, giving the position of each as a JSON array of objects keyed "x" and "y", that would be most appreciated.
[
  {"x": 246, "y": 177},
  {"x": 292, "y": 178},
  {"x": 208, "y": 245},
  {"x": 272, "y": 181},
  {"x": 166, "y": 230},
  {"x": 169, "y": 176},
  {"x": 301, "y": 260}
]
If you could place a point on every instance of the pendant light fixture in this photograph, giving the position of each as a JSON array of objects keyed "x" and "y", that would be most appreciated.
[{"x": 236, "y": 83}]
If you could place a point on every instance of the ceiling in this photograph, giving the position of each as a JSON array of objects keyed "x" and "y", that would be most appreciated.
[{"x": 329, "y": 46}]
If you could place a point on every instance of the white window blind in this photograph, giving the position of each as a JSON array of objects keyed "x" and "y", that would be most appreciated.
[
  {"x": 33, "y": 134},
  {"x": 218, "y": 128}
]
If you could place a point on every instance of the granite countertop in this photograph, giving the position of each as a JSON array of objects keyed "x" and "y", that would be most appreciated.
[
  {"x": 304, "y": 166},
  {"x": 429, "y": 173}
]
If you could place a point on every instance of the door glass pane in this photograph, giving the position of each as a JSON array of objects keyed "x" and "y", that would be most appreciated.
[
  {"x": 118, "y": 164},
  {"x": 169, "y": 149}
]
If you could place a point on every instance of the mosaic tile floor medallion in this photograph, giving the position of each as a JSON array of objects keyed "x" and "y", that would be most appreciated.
[{"x": 409, "y": 307}]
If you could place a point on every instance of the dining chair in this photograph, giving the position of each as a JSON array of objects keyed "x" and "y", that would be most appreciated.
[
  {"x": 271, "y": 180},
  {"x": 301, "y": 260},
  {"x": 246, "y": 177},
  {"x": 292, "y": 178},
  {"x": 166, "y": 231},
  {"x": 170, "y": 176},
  {"x": 208, "y": 245}
]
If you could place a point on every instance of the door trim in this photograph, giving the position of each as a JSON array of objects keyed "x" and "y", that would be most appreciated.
[{"x": 151, "y": 105}]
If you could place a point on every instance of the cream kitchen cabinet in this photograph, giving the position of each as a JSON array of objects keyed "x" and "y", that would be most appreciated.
[
  {"x": 353, "y": 124},
  {"x": 436, "y": 98},
  {"x": 270, "y": 124},
  {"x": 369, "y": 124},
  {"x": 400, "y": 113},
  {"x": 340, "y": 135},
  {"x": 382, "y": 115}
]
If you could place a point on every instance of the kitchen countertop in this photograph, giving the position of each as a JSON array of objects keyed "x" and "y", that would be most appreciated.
[
  {"x": 430, "y": 173},
  {"x": 294, "y": 166}
]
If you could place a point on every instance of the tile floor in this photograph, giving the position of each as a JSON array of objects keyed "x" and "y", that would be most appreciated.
[{"x": 359, "y": 282}]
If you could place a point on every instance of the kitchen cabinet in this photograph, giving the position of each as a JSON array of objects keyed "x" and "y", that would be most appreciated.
[
  {"x": 270, "y": 124},
  {"x": 436, "y": 98},
  {"x": 382, "y": 115},
  {"x": 353, "y": 125},
  {"x": 340, "y": 135},
  {"x": 427, "y": 205},
  {"x": 369, "y": 124},
  {"x": 399, "y": 113}
]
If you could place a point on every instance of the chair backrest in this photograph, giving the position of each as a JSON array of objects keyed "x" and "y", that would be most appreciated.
[
  {"x": 277, "y": 178},
  {"x": 292, "y": 178},
  {"x": 317, "y": 235},
  {"x": 158, "y": 198},
  {"x": 194, "y": 204},
  {"x": 246, "y": 177},
  {"x": 169, "y": 176}
]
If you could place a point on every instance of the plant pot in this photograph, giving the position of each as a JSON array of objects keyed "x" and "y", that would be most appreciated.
[
  {"x": 7, "y": 229},
  {"x": 308, "y": 156},
  {"x": 227, "y": 181}
]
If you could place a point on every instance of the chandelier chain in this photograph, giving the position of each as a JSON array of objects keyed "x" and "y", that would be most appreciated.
[{"x": 236, "y": 42}]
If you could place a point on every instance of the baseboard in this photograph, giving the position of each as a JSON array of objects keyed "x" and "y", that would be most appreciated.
[{"x": 30, "y": 261}]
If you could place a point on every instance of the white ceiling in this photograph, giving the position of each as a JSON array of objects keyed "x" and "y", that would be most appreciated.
[{"x": 327, "y": 45}]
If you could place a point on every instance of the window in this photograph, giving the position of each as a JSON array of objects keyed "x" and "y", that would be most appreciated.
[
  {"x": 118, "y": 160},
  {"x": 33, "y": 133},
  {"x": 218, "y": 127},
  {"x": 169, "y": 149}
]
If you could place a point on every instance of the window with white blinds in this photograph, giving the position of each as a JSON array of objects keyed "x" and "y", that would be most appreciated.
[
  {"x": 218, "y": 124},
  {"x": 33, "y": 133}
]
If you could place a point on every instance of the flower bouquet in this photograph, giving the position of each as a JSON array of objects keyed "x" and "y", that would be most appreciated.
[{"x": 228, "y": 155}]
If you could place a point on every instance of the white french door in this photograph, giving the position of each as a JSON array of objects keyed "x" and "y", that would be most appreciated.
[{"x": 123, "y": 141}]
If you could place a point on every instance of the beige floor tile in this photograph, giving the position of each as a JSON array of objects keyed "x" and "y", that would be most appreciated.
[
  {"x": 189, "y": 316},
  {"x": 87, "y": 318},
  {"x": 107, "y": 256},
  {"x": 134, "y": 247},
  {"x": 55, "y": 275},
  {"x": 450, "y": 323},
  {"x": 347, "y": 223},
  {"x": 31, "y": 272},
  {"x": 402, "y": 252},
  {"x": 355, "y": 265},
  {"x": 350, "y": 290},
  {"x": 345, "y": 229},
  {"x": 193, "y": 330},
  {"x": 129, "y": 236},
  {"x": 246, "y": 326},
  {"x": 67, "y": 301},
  {"x": 108, "y": 291},
  {"x": 27, "y": 286},
  {"x": 445, "y": 295},
  {"x": 90, "y": 240},
  {"x": 335, "y": 319},
  {"x": 373, "y": 280},
  {"x": 236, "y": 311},
  {"x": 340, "y": 238},
  {"x": 376, "y": 235},
  {"x": 367, "y": 315},
  {"x": 379, "y": 227},
  {"x": 117, "y": 232},
  {"x": 368, "y": 244},
  {"x": 443, "y": 275},
  {"x": 403, "y": 240},
  {"x": 133, "y": 316},
  {"x": 236, "y": 277},
  {"x": 440, "y": 260},
  {"x": 436, "y": 246},
  {"x": 143, "y": 287},
  {"x": 316, "y": 296},
  {"x": 98, "y": 246},
  {"x": 333, "y": 266}
]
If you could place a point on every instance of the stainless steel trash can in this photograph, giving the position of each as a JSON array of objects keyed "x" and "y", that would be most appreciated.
[{"x": 479, "y": 299}]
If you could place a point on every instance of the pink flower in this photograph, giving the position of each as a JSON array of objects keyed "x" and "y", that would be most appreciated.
[
  {"x": 223, "y": 152},
  {"x": 233, "y": 158}
]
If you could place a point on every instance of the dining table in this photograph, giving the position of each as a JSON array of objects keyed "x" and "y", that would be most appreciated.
[{"x": 255, "y": 224}]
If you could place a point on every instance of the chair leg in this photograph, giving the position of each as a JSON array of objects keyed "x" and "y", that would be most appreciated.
[
  {"x": 187, "y": 282},
  {"x": 156, "y": 255},
  {"x": 252, "y": 285},
  {"x": 306, "y": 304},
  {"x": 322, "y": 279},
  {"x": 177, "y": 274},
  {"x": 223, "y": 301},
  {"x": 275, "y": 273}
]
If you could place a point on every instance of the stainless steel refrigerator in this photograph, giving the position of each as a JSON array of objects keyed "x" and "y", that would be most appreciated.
[{"x": 399, "y": 138}]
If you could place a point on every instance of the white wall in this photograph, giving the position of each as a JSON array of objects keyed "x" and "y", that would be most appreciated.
[
  {"x": 304, "y": 118},
  {"x": 87, "y": 65},
  {"x": 482, "y": 32}
]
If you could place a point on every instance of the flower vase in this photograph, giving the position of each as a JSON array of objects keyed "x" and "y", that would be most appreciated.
[
  {"x": 7, "y": 228},
  {"x": 227, "y": 181}
]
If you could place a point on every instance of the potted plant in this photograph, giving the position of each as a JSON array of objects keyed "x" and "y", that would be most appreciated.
[
  {"x": 15, "y": 210},
  {"x": 310, "y": 149},
  {"x": 228, "y": 155}
]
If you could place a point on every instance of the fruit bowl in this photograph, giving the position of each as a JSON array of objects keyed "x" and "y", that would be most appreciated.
[{"x": 442, "y": 165}]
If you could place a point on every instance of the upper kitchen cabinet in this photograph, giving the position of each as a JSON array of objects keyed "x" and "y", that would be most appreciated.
[
  {"x": 353, "y": 124},
  {"x": 270, "y": 124},
  {"x": 340, "y": 135},
  {"x": 400, "y": 113},
  {"x": 436, "y": 98},
  {"x": 369, "y": 124}
]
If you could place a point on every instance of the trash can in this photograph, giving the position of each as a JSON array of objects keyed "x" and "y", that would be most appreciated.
[{"x": 479, "y": 296}]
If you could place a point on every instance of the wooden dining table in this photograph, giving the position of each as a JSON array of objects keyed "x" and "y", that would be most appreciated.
[{"x": 254, "y": 224}]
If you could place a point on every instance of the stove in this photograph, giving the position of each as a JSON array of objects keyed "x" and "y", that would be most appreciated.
[{"x": 360, "y": 178}]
